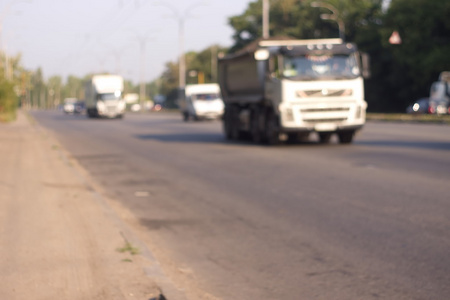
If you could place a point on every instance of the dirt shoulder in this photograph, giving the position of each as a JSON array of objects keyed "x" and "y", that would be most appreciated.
[{"x": 59, "y": 239}]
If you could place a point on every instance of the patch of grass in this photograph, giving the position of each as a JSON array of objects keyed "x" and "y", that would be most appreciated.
[
  {"x": 417, "y": 118},
  {"x": 129, "y": 248},
  {"x": 6, "y": 117}
]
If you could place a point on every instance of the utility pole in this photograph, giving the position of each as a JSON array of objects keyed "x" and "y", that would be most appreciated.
[
  {"x": 266, "y": 10},
  {"x": 142, "y": 75}
]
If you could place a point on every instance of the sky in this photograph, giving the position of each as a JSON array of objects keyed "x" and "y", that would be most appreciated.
[{"x": 65, "y": 37}]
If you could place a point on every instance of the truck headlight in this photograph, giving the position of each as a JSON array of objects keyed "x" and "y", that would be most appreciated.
[
  {"x": 289, "y": 115},
  {"x": 101, "y": 106},
  {"x": 121, "y": 105},
  {"x": 358, "y": 113}
]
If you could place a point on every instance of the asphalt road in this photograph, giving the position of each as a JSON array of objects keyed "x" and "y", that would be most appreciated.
[{"x": 235, "y": 220}]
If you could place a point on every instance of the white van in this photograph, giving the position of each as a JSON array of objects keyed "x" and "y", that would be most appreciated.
[{"x": 201, "y": 101}]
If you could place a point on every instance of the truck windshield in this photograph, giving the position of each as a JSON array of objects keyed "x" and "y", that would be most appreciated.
[
  {"x": 205, "y": 97},
  {"x": 324, "y": 66},
  {"x": 108, "y": 96}
]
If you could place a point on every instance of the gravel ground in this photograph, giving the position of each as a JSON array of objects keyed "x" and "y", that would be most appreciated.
[{"x": 60, "y": 238}]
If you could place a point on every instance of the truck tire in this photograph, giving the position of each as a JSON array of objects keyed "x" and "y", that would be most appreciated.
[
  {"x": 227, "y": 123},
  {"x": 233, "y": 126},
  {"x": 272, "y": 130},
  {"x": 324, "y": 137},
  {"x": 297, "y": 137},
  {"x": 89, "y": 113},
  {"x": 255, "y": 126},
  {"x": 185, "y": 116},
  {"x": 346, "y": 137}
]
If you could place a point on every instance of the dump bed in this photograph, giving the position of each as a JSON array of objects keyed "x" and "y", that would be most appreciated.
[{"x": 239, "y": 79}]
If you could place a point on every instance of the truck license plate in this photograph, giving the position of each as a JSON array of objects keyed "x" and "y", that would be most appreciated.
[{"x": 325, "y": 127}]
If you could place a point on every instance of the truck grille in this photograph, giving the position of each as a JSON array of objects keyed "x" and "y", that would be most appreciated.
[
  {"x": 111, "y": 109},
  {"x": 324, "y": 93},
  {"x": 332, "y": 109},
  {"x": 331, "y": 120},
  {"x": 325, "y": 115}
]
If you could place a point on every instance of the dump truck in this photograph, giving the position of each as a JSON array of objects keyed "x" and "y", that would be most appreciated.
[
  {"x": 283, "y": 89},
  {"x": 200, "y": 102},
  {"x": 103, "y": 95}
]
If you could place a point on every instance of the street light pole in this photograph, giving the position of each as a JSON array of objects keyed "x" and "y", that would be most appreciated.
[
  {"x": 142, "y": 39},
  {"x": 334, "y": 16},
  {"x": 181, "y": 18},
  {"x": 182, "y": 57},
  {"x": 3, "y": 14}
]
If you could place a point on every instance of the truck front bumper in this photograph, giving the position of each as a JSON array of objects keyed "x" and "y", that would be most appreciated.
[{"x": 326, "y": 117}]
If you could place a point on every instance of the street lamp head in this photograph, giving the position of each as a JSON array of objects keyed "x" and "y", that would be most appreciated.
[{"x": 327, "y": 17}]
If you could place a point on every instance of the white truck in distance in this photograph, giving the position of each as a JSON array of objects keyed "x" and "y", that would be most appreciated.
[
  {"x": 69, "y": 105},
  {"x": 283, "y": 89},
  {"x": 103, "y": 95},
  {"x": 201, "y": 101}
]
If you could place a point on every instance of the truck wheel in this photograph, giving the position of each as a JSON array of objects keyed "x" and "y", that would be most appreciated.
[
  {"x": 272, "y": 129},
  {"x": 297, "y": 137},
  {"x": 232, "y": 129},
  {"x": 346, "y": 137},
  {"x": 324, "y": 137},
  {"x": 235, "y": 133},
  {"x": 185, "y": 116},
  {"x": 255, "y": 128},
  {"x": 227, "y": 124}
]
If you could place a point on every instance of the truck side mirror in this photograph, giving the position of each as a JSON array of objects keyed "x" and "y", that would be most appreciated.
[{"x": 365, "y": 59}]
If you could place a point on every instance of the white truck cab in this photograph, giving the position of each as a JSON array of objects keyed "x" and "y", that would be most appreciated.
[
  {"x": 201, "y": 101},
  {"x": 104, "y": 96}
]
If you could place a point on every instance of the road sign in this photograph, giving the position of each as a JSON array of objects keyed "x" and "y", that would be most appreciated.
[{"x": 395, "y": 38}]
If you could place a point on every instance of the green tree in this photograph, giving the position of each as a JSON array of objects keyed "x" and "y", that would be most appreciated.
[
  {"x": 74, "y": 87},
  {"x": 424, "y": 26},
  {"x": 8, "y": 100},
  {"x": 55, "y": 86},
  {"x": 203, "y": 62},
  {"x": 13, "y": 84},
  {"x": 298, "y": 19},
  {"x": 37, "y": 89}
]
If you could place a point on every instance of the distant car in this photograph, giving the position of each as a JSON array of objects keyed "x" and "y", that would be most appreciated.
[
  {"x": 439, "y": 106},
  {"x": 79, "y": 107},
  {"x": 69, "y": 105},
  {"x": 421, "y": 106}
]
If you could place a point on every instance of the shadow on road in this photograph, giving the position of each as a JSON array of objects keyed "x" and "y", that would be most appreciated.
[
  {"x": 185, "y": 137},
  {"x": 407, "y": 144},
  {"x": 214, "y": 138}
]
